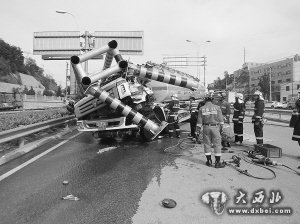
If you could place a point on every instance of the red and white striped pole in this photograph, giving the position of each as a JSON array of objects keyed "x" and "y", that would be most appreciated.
[
  {"x": 112, "y": 53},
  {"x": 163, "y": 76},
  {"x": 87, "y": 80},
  {"x": 127, "y": 111},
  {"x": 90, "y": 54}
]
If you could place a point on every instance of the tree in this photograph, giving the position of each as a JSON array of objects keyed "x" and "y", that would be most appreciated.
[
  {"x": 47, "y": 92},
  {"x": 13, "y": 55},
  {"x": 31, "y": 91},
  {"x": 59, "y": 92},
  {"x": 4, "y": 67},
  {"x": 25, "y": 91},
  {"x": 264, "y": 84}
]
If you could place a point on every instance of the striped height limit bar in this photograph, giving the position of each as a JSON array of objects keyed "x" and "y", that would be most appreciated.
[
  {"x": 163, "y": 76},
  {"x": 127, "y": 111}
]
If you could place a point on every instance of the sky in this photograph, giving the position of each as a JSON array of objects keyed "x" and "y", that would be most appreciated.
[{"x": 268, "y": 29}]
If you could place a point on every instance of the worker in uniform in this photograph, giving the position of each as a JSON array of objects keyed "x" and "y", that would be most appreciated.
[
  {"x": 257, "y": 118},
  {"x": 238, "y": 118},
  {"x": 173, "y": 126},
  {"x": 225, "y": 108},
  {"x": 194, "y": 114},
  {"x": 295, "y": 120},
  {"x": 211, "y": 119}
]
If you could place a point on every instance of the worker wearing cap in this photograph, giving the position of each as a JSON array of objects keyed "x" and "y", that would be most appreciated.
[
  {"x": 194, "y": 114},
  {"x": 211, "y": 119},
  {"x": 173, "y": 126},
  {"x": 257, "y": 118},
  {"x": 238, "y": 117},
  {"x": 225, "y": 108}
]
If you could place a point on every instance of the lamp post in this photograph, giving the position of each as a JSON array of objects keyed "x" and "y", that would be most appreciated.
[
  {"x": 77, "y": 29},
  {"x": 198, "y": 47},
  {"x": 65, "y": 12}
]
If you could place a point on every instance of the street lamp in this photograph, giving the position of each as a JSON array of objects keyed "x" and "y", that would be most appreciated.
[
  {"x": 65, "y": 12},
  {"x": 198, "y": 47}
]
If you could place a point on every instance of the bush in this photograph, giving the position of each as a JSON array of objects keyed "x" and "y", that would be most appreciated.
[{"x": 10, "y": 121}]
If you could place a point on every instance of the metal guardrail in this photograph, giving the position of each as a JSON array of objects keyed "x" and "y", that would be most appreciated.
[
  {"x": 20, "y": 132},
  {"x": 273, "y": 111}
]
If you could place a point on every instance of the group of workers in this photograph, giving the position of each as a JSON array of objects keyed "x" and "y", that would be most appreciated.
[{"x": 209, "y": 116}]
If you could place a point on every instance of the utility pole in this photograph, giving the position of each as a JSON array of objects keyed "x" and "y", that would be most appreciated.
[
  {"x": 86, "y": 48},
  {"x": 204, "y": 68},
  {"x": 67, "y": 78},
  {"x": 270, "y": 75}
]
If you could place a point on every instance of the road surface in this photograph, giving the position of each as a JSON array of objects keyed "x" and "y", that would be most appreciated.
[{"x": 124, "y": 181}]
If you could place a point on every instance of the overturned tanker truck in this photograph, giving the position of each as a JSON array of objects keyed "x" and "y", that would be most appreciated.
[{"x": 116, "y": 100}]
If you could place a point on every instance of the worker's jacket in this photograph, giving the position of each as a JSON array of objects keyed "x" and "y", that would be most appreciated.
[
  {"x": 259, "y": 109},
  {"x": 225, "y": 108},
  {"x": 174, "y": 106},
  {"x": 193, "y": 107},
  {"x": 210, "y": 114},
  {"x": 238, "y": 112},
  {"x": 296, "y": 114}
]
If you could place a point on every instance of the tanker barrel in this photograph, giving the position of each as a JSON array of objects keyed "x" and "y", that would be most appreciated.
[
  {"x": 164, "y": 76},
  {"x": 79, "y": 74},
  {"x": 112, "y": 53},
  {"x": 87, "y": 80},
  {"x": 90, "y": 54},
  {"x": 127, "y": 111}
]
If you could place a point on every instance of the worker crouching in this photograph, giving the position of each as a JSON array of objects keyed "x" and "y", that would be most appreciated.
[{"x": 211, "y": 119}]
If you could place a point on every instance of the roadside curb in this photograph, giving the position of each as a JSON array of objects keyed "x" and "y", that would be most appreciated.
[{"x": 16, "y": 153}]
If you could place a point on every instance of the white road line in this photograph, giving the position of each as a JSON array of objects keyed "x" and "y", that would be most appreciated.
[
  {"x": 106, "y": 149},
  {"x": 2, "y": 177}
]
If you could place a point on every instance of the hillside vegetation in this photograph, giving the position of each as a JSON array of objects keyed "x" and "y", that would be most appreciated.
[{"x": 12, "y": 62}]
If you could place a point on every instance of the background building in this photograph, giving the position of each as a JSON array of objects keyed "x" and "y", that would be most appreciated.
[
  {"x": 281, "y": 72},
  {"x": 289, "y": 90}
]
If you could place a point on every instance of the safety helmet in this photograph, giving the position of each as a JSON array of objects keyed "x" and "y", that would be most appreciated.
[
  {"x": 259, "y": 94},
  {"x": 208, "y": 96},
  {"x": 174, "y": 96},
  {"x": 239, "y": 96}
]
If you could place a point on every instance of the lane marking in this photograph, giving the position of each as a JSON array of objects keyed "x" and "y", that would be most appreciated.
[
  {"x": 2, "y": 177},
  {"x": 106, "y": 149}
]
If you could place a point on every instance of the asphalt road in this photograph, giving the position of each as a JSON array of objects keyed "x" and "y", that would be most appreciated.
[{"x": 124, "y": 181}]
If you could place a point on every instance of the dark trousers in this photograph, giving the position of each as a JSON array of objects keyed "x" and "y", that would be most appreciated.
[
  {"x": 173, "y": 125},
  {"x": 258, "y": 131},
  {"x": 193, "y": 124},
  {"x": 238, "y": 131}
]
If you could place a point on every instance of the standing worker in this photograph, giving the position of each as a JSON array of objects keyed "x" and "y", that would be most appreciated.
[
  {"x": 173, "y": 117},
  {"x": 295, "y": 121},
  {"x": 194, "y": 114},
  {"x": 211, "y": 119},
  {"x": 238, "y": 117},
  {"x": 257, "y": 118},
  {"x": 225, "y": 108}
]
